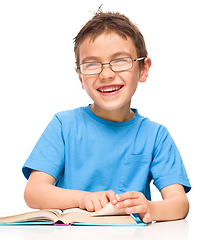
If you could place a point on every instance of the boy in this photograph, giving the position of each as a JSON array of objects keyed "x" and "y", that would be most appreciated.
[{"x": 106, "y": 152}]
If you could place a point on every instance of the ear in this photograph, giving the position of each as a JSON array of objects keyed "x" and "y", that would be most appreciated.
[
  {"x": 80, "y": 77},
  {"x": 145, "y": 70}
]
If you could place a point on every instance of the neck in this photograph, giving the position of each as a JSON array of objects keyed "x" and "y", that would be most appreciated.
[{"x": 119, "y": 115}]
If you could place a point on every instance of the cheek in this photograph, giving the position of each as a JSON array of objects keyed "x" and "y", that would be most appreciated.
[
  {"x": 85, "y": 81},
  {"x": 88, "y": 83},
  {"x": 130, "y": 78}
]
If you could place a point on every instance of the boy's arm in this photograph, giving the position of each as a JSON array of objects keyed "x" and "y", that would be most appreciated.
[
  {"x": 40, "y": 193},
  {"x": 174, "y": 205}
]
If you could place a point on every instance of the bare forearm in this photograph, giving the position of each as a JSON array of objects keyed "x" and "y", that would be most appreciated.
[
  {"x": 44, "y": 195},
  {"x": 173, "y": 208},
  {"x": 41, "y": 193}
]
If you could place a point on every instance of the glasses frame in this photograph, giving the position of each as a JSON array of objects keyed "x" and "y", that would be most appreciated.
[{"x": 102, "y": 64}]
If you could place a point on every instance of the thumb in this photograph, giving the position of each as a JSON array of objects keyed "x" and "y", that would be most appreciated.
[{"x": 146, "y": 218}]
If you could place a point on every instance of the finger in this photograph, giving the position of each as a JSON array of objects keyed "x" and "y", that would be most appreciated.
[
  {"x": 104, "y": 201},
  {"x": 96, "y": 204},
  {"x": 129, "y": 195},
  {"x": 128, "y": 203},
  {"x": 147, "y": 218},
  {"x": 89, "y": 206},
  {"x": 110, "y": 194},
  {"x": 136, "y": 209}
]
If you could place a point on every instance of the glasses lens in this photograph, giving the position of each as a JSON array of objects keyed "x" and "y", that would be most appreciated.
[
  {"x": 90, "y": 68},
  {"x": 121, "y": 64}
]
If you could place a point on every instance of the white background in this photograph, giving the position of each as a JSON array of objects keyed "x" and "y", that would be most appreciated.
[{"x": 38, "y": 79}]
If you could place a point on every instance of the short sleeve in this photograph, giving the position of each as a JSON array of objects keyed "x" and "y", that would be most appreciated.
[
  {"x": 48, "y": 154},
  {"x": 167, "y": 167}
]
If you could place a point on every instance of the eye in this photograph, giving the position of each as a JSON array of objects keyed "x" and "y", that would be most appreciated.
[
  {"x": 91, "y": 65},
  {"x": 120, "y": 61}
]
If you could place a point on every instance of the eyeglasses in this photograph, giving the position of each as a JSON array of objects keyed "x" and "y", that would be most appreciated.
[{"x": 116, "y": 65}]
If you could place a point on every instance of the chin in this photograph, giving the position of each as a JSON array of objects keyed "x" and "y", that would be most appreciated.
[{"x": 114, "y": 107}]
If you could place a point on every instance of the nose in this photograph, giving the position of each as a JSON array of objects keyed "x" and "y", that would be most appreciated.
[{"x": 107, "y": 73}]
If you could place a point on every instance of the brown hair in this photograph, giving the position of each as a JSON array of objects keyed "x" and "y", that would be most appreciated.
[{"x": 110, "y": 21}]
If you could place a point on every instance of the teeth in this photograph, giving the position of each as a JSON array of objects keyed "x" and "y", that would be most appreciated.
[{"x": 110, "y": 89}]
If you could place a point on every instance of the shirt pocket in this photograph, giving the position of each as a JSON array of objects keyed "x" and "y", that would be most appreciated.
[{"x": 135, "y": 175}]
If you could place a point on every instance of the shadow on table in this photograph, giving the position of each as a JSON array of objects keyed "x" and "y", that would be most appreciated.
[{"x": 177, "y": 230}]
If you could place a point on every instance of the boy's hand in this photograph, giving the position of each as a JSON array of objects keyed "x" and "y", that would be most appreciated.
[
  {"x": 135, "y": 202},
  {"x": 97, "y": 200},
  {"x": 174, "y": 205}
]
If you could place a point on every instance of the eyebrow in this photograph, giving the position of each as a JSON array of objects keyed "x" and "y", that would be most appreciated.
[
  {"x": 90, "y": 58},
  {"x": 115, "y": 55},
  {"x": 121, "y": 54}
]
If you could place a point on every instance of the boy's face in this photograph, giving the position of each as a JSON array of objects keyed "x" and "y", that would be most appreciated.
[{"x": 106, "y": 47}]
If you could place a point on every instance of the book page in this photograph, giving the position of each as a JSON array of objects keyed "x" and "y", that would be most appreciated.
[
  {"x": 39, "y": 215},
  {"x": 57, "y": 212},
  {"x": 77, "y": 210},
  {"x": 108, "y": 210}
]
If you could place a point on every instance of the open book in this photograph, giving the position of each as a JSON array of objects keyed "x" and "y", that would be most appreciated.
[{"x": 75, "y": 216}]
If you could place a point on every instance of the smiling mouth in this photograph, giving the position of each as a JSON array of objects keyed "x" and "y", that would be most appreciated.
[{"x": 110, "y": 89}]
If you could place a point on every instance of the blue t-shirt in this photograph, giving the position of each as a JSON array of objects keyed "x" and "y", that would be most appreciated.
[{"x": 85, "y": 152}]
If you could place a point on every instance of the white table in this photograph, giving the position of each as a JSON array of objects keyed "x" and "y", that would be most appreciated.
[{"x": 177, "y": 230}]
